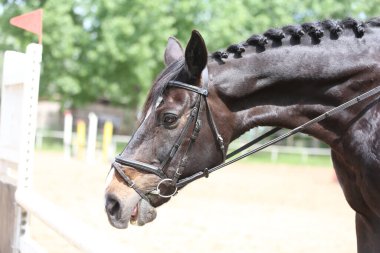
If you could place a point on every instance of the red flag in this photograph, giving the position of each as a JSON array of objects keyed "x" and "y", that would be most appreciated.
[{"x": 31, "y": 21}]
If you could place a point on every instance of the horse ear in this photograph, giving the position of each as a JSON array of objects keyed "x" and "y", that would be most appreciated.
[
  {"x": 173, "y": 51},
  {"x": 196, "y": 54}
]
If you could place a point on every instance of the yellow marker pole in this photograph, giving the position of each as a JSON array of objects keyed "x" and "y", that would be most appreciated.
[
  {"x": 107, "y": 139},
  {"x": 81, "y": 138}
]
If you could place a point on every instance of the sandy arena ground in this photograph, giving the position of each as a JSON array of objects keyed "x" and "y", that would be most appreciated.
[{"x": 243, "y": 208}]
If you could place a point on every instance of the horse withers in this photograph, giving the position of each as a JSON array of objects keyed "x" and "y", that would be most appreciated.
[{"x": 283, "y": 78}]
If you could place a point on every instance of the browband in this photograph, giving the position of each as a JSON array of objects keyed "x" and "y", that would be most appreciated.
[
  {"x": 193, "y": 88},
  {"x": 189, "y": 87}
]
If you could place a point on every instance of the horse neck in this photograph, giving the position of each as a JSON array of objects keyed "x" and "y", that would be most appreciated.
[{"x": 287, "y": 86}]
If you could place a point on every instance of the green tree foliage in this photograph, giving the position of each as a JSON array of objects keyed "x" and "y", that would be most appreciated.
[{"x": 113, "y": 49}]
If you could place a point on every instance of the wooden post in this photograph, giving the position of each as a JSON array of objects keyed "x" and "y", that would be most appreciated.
[
  {"x": 107, "y": 139},
  {"x": 81, "y": 139},
  {"x": 91, "y": 138},
  {"x": 8, "y": 213},
  {"x": 68, "y": 133}
]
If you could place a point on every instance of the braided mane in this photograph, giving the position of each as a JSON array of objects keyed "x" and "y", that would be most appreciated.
[{"x": 315, "y": 30}]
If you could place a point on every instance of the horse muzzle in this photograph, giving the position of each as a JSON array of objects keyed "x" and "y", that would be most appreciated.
[{"x": 132, "y": 209}]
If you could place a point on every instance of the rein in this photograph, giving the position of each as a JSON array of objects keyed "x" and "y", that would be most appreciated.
[
  {"x": 298, "y": 129},
  {"x": 175, "y": 182}
]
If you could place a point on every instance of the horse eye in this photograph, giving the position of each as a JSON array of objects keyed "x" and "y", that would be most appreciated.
[{"x": 170, "y": 118}]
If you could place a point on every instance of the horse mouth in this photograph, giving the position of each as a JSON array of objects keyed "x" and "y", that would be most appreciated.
[
  {"x": 135, "y": 214},
  {"x": 133, "y": 210},
  {"x": 142, "y": 213}
]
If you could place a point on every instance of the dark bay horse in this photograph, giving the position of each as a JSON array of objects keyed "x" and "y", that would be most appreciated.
[{"x": 283, "y": 78}]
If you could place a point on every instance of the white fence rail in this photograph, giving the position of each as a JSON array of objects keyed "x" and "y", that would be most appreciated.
[
  {"x": 73, "y": 230},
  {"x": 304, "y": 151}
]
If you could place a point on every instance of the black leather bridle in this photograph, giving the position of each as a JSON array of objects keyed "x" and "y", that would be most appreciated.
[{"x": 194, "y": 119}]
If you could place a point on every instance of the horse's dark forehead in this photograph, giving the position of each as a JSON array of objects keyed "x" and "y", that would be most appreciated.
[{"x": 159, "y": 85}]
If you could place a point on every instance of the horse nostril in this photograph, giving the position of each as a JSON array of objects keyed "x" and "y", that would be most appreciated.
[{"x": 112, "y": 205}]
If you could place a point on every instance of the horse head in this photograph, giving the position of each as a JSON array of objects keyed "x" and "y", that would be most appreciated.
[{"x": 177, "y": 137}]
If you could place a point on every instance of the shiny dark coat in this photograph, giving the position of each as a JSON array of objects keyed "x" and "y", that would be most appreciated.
[{"x": 284, "y": 78}]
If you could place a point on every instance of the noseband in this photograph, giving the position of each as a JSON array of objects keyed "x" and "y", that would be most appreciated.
[{"x": 193, "y": 119}]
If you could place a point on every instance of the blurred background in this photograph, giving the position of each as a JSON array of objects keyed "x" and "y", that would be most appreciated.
[{"x": 101, "y": 57}]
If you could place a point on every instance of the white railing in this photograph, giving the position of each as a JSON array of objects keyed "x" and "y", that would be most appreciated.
[
  {"x": 73, "y": 230},
  {"x": 304, "y": 151}
]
